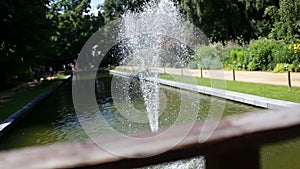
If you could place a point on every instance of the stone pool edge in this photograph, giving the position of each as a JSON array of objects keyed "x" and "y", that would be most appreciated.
[
  {"x": 11, "y": 121},
  {"x": 249, "y": 99}
]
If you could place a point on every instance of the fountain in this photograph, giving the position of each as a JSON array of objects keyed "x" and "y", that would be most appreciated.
[
  {"x": 147, "y": 41},
  {"x": 154, "y": 37}
]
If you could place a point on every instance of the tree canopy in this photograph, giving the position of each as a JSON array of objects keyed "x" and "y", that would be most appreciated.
[
  {"x": 24, "y": 37},
  {"x": 72, "y": 27},
  {"x": 42, "y": 32},
  {"x": 223, "y": 20},
  {"x": 49, "y": 32}
]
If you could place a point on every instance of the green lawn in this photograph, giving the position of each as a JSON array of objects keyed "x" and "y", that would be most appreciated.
[
  {"x": 8, "y": 108},
  {"x": 269, "y": 91}
]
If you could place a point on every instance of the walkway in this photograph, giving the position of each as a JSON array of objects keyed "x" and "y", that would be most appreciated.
[
  {"x": 280, "y": 79},
  {"x": 8, "y": 94}
]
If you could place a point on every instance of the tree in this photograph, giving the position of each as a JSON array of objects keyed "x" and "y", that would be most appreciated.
[
  {"x": 113, "y": 9},
  {"x": 41, "y": 32},
  {"x": 73, "y": 26},
  {"x": 287, "y": 20},
  {"x": 223, "y": 20},
  {"x": 24, "y": 38}
]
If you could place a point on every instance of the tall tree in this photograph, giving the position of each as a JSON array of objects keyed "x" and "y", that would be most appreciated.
[
  {"x": 113, "y": 9},
  {"x": 287, "y": 20},
  {"x": 229, "y": 19},
  {"x": 73, "y": 26},
  {"x": 24, "y": 37},
  {"x": 254, "y": 12}
]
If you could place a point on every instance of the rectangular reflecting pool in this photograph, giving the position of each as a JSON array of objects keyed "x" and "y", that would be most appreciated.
[{"x": 55, "y": 120}]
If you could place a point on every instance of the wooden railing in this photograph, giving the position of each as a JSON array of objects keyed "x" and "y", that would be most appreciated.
[{"x": 234, "y": 144}]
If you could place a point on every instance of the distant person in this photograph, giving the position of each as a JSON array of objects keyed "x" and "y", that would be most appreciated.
[
  {"x": 43, "y": 72},
  {"x": 37, "y": 75},
  {"x": 64, "y": 67},
  {"x": 72, "y": 66},
  {"x": 51, "y": 71}
]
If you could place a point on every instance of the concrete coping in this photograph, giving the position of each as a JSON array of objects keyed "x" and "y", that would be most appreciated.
[{"x": 249, "y": 99}]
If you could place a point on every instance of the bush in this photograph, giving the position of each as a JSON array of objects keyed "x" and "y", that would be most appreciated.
[
  {"x": 26, "y": 76},
  {"x": 291, "y": 68},
  {"x": 261, "y": 53},
  {"x": 238, "y": 58},
  {"x": 193, "y": 65},
  {"x": 282, "y": 54},
  {"x": 251, "y": 66},
  {"x": 279, "y": 68},
  {"x": 266, "y": 53},
  {"x": 206, "y": 57},
  {"x": 296, "y": 65}
]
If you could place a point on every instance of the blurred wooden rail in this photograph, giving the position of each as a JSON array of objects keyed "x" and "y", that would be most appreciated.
[{"x": 234, "y": 144}]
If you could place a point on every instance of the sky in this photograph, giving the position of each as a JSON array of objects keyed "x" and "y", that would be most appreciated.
[{"x": 94, "y": 4}]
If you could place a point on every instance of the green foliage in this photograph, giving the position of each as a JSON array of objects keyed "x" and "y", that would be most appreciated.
[
  {"x": 286, "y": 19},
  {"x": 72, "y": 27},
  {"x": 24, "y": 38},
  {"x": 279, "y": 68},
  {"x": 43, "y": 32},
  {"x": 251, "y": 66},
  {"x": 113, "y": 9},
  {"x": 194, "y": 65},
  {"x": 296, "y": 65},
  {"x": 205, "y": 57},
  {"x": 27, "y": 75},
  {"x": 235, "y": 18},
  {"x": 262, "y": 54},
  {"x": 47, "y": 32},
  {"x": 291, "y": 68},
  {"x": 266, "y": 53},
  {"x": 238, "y": 58}
]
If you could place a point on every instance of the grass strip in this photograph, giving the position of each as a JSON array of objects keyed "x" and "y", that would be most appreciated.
[
  {"x": 17, "y": 102},
  {"x": 264, "y": 90}
]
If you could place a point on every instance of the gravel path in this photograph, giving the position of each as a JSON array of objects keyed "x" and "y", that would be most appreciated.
[{"x": 280, "y": 79}]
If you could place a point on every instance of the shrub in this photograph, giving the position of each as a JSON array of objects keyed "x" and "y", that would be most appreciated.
[
  {"x": 282, "y": 54},
  {"x": 193, "y": 65},
  {"x": 26, "y": 75},
  {"x": 279, "y": 68},
  {"x": 261, "y": 53},
  {"x": 266, "y": 53},
  {"x": 206, "y": 57},
  {"x": 296, "y": 65},
  {"x": 238, "y": 58},
  {"x": 251, "y": 66},
  {"x": 291, "y": 68}
]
